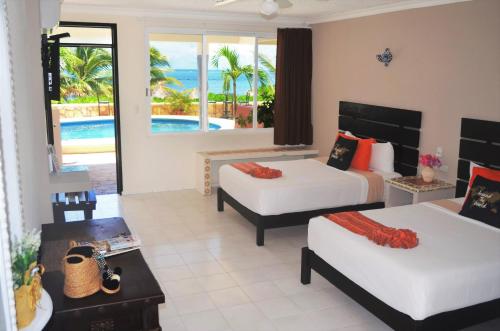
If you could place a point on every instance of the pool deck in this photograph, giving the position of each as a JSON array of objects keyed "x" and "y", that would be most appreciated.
[{"x": 101, "y": 167}]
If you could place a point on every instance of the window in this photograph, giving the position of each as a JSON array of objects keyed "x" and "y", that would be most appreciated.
[{"x": 211, "y": 82}]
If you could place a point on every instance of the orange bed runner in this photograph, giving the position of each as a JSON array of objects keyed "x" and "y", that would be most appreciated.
[
  {"x": 256, "y": 170},
  {"x": 374, "y": 231}
]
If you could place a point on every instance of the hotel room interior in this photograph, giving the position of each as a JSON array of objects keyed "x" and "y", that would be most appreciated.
[{"x": 250, "y": 165}]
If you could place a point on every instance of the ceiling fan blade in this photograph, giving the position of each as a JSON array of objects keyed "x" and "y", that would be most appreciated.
[
  {"x": 219, "y": 3},
  {"x": 284, "y": 3}
]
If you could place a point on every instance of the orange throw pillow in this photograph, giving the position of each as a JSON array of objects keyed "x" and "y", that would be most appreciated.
[
  {"x": 487, "y": 173},
  {"x": 363, "y": 154}
]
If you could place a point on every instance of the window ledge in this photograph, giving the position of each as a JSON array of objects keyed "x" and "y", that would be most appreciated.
[{"x": 253, "y": 131}]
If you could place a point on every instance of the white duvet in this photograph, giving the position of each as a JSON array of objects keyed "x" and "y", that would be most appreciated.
[
  {"x": 306, "y": 185},
  {"x": 455, "y": 265}
]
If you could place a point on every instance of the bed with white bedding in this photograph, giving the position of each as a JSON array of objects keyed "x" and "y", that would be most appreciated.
[
  {"x": 456, "y": 264},
  {"x": 306, "y": 184},
  {"x": 309, "y": 188}
]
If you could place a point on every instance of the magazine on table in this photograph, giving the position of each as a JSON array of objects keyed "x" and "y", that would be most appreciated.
[{"x": 113, "y": 246}]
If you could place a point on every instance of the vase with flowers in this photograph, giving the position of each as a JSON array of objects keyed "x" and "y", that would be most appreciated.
[
  {"x": 26, "y": 274},
  {"x": 429, "y": 162}
]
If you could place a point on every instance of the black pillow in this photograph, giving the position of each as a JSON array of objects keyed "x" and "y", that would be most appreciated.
[
  {"x": 342, "y": 153},
  {"x": 483, "y": 202}
]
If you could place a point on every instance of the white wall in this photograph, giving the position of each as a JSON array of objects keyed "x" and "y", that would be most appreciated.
[
  {"x": 161, "y": 162},
  {"x": 24, "y": 23},
  {"x": 446, "y": 64}
]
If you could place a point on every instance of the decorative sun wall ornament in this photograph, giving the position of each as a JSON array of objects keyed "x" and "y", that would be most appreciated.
[{"x": 385, "y": 57}]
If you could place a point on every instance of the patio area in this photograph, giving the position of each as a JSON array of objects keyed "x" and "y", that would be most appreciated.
[{"x": 101, "y": 167}]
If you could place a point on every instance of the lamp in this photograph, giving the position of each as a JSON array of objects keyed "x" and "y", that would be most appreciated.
[{"x": 269, "y": 7}]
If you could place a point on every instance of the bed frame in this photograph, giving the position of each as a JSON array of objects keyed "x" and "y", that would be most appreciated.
[
  {"x": 451, "y": 320},
  {"x": 476, "y": 144},
  {"x": 399, "y": 126},
  {"x": 479, "y": 143}
]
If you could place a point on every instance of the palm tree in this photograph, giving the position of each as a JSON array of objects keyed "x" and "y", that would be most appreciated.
[
  {"x": 271, "y": 68},
  {"x": 266, "y": 63},
  {"x": 159, "y": 67},
  {"x": 86, "y": 71},
  {"x": 235, "y": 70}
]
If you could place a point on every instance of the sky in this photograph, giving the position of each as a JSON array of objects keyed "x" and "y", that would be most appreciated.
[{"x": 183, "y": 55}]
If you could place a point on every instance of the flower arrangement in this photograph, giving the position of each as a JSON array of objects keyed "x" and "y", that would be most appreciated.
[
  {"x": 26, "y": 276},
  {"x": 430, "y": 160},
  {"x": 24, "y": 254}
]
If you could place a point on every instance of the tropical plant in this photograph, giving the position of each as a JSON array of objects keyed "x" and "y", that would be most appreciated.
[
  {"x": 86, "y": 71},
  {"x": 267, "y": 63},
  {"x": 265, "y": 111},
  {"x": 180, "y": 101},
  {"x": 234, "y": 70},
  {"x": 159, "y": 67},
  {"x": 271, "y": 68}
]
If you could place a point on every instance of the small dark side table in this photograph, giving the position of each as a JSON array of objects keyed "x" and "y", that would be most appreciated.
[
  {"x": 135, "y": 307},
  {"x": 71, "y": 201}
]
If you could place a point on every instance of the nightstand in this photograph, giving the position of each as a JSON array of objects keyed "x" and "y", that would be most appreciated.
[{"x": 412, "y": 189}]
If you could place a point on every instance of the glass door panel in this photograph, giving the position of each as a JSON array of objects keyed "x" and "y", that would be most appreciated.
[
  {"x": 231, "y": 65},
  {"x": 175, "y": 76}
]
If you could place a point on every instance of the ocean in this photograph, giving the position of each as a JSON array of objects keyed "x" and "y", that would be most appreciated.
[{"x": 189, "y": 80}]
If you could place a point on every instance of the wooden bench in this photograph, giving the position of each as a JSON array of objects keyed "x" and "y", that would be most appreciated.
[{"x": 73, "y": 201}]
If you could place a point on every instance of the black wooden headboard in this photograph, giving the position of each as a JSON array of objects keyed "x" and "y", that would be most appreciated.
[
  {"x": 480, "y": 143},
  {"x": 401, "y": 127}
]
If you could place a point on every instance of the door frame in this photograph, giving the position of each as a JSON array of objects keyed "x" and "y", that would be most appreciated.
[{"x": 116, "y": 85}]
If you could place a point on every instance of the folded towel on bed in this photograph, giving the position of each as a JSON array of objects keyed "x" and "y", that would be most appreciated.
[
  {"x": 256, "y": 170},
  {"x": 374, "y": 231}
]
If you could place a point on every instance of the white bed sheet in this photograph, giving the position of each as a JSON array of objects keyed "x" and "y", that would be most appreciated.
[
  {"x": 306, "y": 184},
  {"x": 455, "y": 265}
]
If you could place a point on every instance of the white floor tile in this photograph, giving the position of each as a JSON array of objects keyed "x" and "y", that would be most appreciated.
[
  {"x": 229, "y": 297},
  {"x": 193, "y": 303},
  {"x": 278, "y": 308},
  {"x": 246, "y": 317},
  {"x": 211, "y": 320},
  {"x": 216, "y": 282},
  {"x": 206, "y": 268},
  {"x": 183, "y": 287},
  {"x": 174, "y": 273},
  {"x": 262, "y": 291}
]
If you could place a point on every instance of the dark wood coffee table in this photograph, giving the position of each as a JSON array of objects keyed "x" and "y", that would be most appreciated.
[{"x": 135, "y": 307}]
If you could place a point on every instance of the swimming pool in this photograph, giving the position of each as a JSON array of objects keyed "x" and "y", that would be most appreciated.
[{"x": 93, "y": 129}]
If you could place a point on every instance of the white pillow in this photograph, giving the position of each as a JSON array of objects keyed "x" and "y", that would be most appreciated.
[{"x": 382, "y": 157}]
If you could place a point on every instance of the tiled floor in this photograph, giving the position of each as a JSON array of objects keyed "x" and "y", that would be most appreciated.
[{"x": 216, "y": 279}]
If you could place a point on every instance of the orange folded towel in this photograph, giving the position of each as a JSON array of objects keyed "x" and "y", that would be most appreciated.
[
  {"x": 256, "y": 170},
  {"x": 374, "y": 231}
]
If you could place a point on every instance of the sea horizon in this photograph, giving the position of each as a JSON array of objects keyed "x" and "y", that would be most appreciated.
[{"x": 189, "y": 80}]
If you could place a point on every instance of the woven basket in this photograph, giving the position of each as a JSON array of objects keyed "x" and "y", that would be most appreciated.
[{"x": 81, "y": 276}]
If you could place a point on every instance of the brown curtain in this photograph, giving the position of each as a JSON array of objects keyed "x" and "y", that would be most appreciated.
[{"x": 292, "y": 118}]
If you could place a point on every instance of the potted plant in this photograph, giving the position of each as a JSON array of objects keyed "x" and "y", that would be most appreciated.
[
  {"x": 180, "y": 102},
  {"x": 429, "y": 162},
  {"x": 26, "y": 274}
]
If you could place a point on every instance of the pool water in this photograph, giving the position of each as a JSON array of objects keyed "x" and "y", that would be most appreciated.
[{"x": 106, "y": 129}]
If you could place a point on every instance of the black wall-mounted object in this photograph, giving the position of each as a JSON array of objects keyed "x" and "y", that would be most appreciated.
[
  {"x": 400, "y": 127},
  {"x": 479, "y": 143},
  {"x": 51, "y": 77}
]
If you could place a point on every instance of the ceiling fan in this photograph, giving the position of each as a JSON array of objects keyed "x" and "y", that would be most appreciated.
[{"x": 267, "y": 8}]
